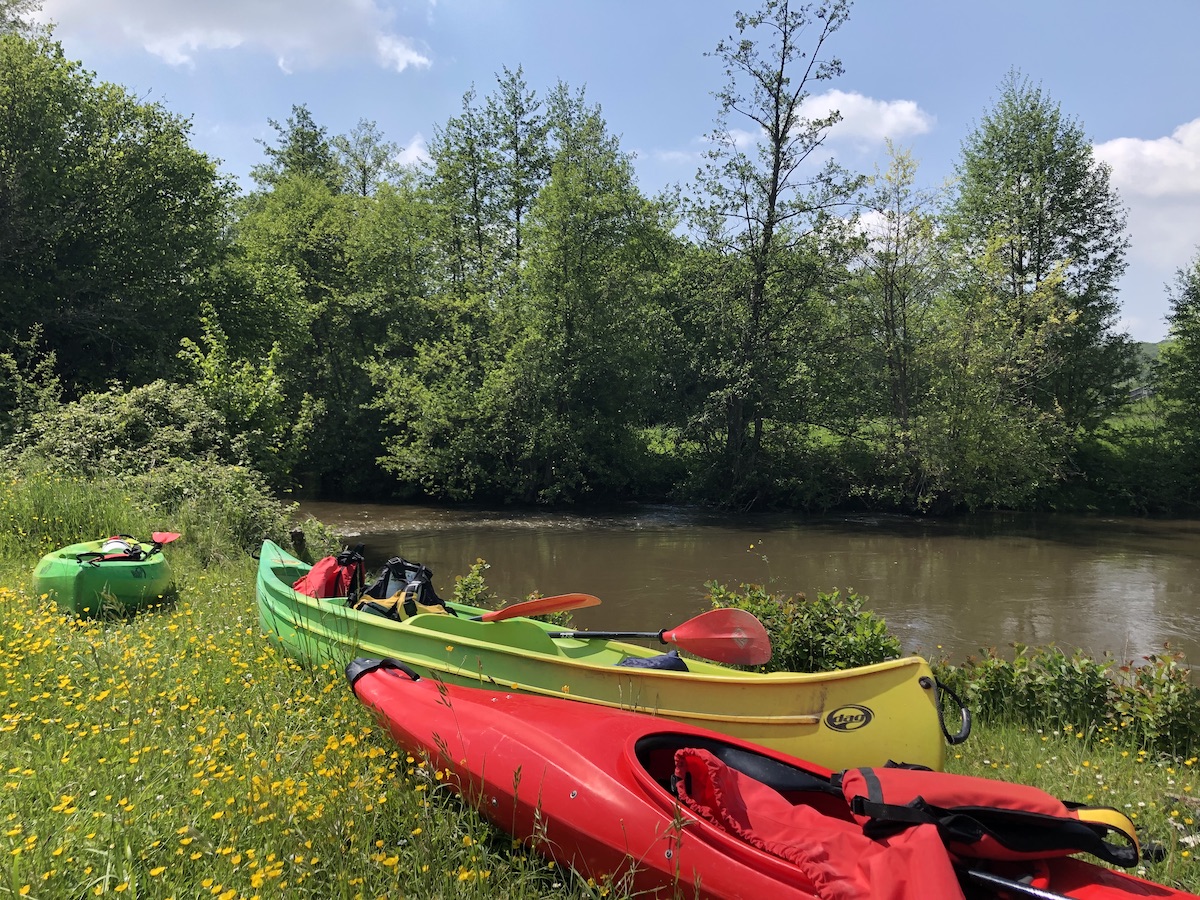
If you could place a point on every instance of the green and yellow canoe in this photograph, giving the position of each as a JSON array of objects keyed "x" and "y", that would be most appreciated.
[
  {"x": 856, "y": 717},
  {"x": 115, "y": 574}
]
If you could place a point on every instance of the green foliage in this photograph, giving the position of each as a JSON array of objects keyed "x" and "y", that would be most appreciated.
[
  {"x": 119, "y": 432},
  {"x": 262, "y": 429},
  {"x": 756, "y": 302},
  {"x": 28, "y": 385},
  {"x": 813, "y": 636},
  {"x": 222, "y": 511},
  {"x": 517, "y": 322},
  {"x": 109, "y": 219},
  {"x": 225, "y": 510},
  {"x": 1029, "y": 182},
  {"x": 1178, "y": 383},
  {"x": 472, "y": 589},
  {"x": 1158, "y": 702},
  {"x": 1152, "y": 705}
]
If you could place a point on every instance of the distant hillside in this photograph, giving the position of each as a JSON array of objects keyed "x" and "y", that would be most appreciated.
[{"x": 1147, "y": 353}]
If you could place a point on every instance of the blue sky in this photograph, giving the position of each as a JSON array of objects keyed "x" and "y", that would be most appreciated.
[{"x": 921, "y": 72}]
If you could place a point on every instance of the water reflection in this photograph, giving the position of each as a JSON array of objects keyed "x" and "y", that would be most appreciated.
[{"x": 1121, "y": 586}]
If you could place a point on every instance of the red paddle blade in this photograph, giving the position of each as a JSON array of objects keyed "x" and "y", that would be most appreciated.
[
  {"x": 727, "y": 635},
  {"x": 541, "y": 605},
  {"x": 164, "y": 537}
]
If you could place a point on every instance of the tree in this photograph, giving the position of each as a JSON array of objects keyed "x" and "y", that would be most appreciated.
[
  {"x": 522, "y": 156},
  {"x": 1028, "y": 181},
  {"x": 109, "y": 220},
  {"x": 1177, "y": 380},
  {"x": 764, "y": 216},
  {"x": 14, "y": 15},
  {"x": 892, "y": 317},
  {"x": 461, "y": 185},
  {"x": 488, "y": 165},
  {"x": 302, "y": 148},
  {"x": 366, "y": 158},
  {"x": 535, "y": 393},
  {"x": 981, "y": 440},
  {"x": 566, "y": 403}
]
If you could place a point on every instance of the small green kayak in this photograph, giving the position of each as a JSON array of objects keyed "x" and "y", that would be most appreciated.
[{"x": 117, "y": 574}]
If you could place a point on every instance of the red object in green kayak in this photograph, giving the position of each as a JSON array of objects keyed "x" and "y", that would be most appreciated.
[{"x": 622, "y": 798}]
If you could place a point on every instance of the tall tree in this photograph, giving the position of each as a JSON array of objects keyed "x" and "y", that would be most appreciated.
[
  {"x": 765, "y": 218},
  {"x": 535, "y": 394},
  {"x": 14, "y": 14},
  {"x": 893, "y": 304},
  {"x": 302, "y": 147},
  {"x": 519, "y": 128},
  {"x": 367, "y": 159},
  {"x": 1028, "y": 181},
  {"x": 1178, "y": 384},
  {"x": 109, "y": 219},
  {"x": 461, "y": 185}
]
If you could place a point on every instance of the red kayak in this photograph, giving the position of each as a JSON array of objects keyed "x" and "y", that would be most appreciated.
[{"x": 672, "y": 810}]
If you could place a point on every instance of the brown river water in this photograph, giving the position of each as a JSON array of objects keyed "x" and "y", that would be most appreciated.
[{"x": 1125, "y": 587}]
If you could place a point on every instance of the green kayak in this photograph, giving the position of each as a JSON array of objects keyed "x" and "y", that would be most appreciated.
[
  {"x": 115, "y": 574},
  {"x": 855, "y": 717}
]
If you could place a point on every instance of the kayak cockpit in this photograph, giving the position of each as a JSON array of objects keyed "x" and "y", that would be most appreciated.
[{"x": 655, "y": 757}]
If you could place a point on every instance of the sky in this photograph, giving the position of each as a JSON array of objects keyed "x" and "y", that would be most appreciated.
[{"x": 922, "y": 73}]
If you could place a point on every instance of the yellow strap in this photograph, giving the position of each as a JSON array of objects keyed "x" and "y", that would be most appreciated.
[{"x": 1112, "y": 819}]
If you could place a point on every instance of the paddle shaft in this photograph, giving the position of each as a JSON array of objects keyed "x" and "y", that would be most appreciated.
[
  {"x": 1009, "y": 886},
  {"x": 613, "y": 635}
]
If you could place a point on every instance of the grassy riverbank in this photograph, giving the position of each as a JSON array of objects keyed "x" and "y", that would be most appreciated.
[{"x": 177, "y": 754}]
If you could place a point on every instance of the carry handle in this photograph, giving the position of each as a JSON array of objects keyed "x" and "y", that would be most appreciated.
[{"x": 964, "y": 714}]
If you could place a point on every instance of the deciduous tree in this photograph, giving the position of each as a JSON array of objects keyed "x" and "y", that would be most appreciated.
[
  {"x": 1178, "y": 383},
  {"x": 109, "y": 219},
  {"x": 764, "y": 213},
  {"x": 1029, "y": 183}
]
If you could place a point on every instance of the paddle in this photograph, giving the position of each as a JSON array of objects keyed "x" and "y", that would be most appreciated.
[
  {"x": 725, "y": 635},
  {"x": 164, "y": 537},
  {"x": 539, "y": 606},
  {"x": 1009, "y": 886}
]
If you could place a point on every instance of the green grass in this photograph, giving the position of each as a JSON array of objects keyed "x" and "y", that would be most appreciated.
[
  {"x": 1160, "y": 794},
  {"x": 176, "y": 753}
]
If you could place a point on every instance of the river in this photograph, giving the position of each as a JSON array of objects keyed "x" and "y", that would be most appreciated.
[{"x": 947, "y": 588}]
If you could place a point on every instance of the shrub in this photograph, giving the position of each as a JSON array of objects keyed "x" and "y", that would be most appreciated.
[
  {"x": 1152, "y": 705},
  {"x": 813, "y": 636}
]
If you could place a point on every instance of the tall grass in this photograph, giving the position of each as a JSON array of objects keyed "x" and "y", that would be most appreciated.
[{"x": 40, "y": 514}]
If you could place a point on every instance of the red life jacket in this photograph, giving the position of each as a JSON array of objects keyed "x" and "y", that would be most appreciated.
[
  {"x": 986, "y": 819},
  {"x": 333, "y": 576},
  {"x": 834, "y": 855}
]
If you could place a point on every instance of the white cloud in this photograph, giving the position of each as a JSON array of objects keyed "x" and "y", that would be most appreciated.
[
  {"x": 866, "y": 120},
  {"x": 297, "y": 33},
  {"x": 1165, "y": 166},
  {"x": 415, "y": 152},
  {"x": 678, "y": 157},
  {"x": 1159, "y": 181}
]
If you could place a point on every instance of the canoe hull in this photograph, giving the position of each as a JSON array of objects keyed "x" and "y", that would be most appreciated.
[
  {"x": 584, "y": 786},
  {"x": 862, "y": 716},
  {"x": 88, "y": 589}
]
